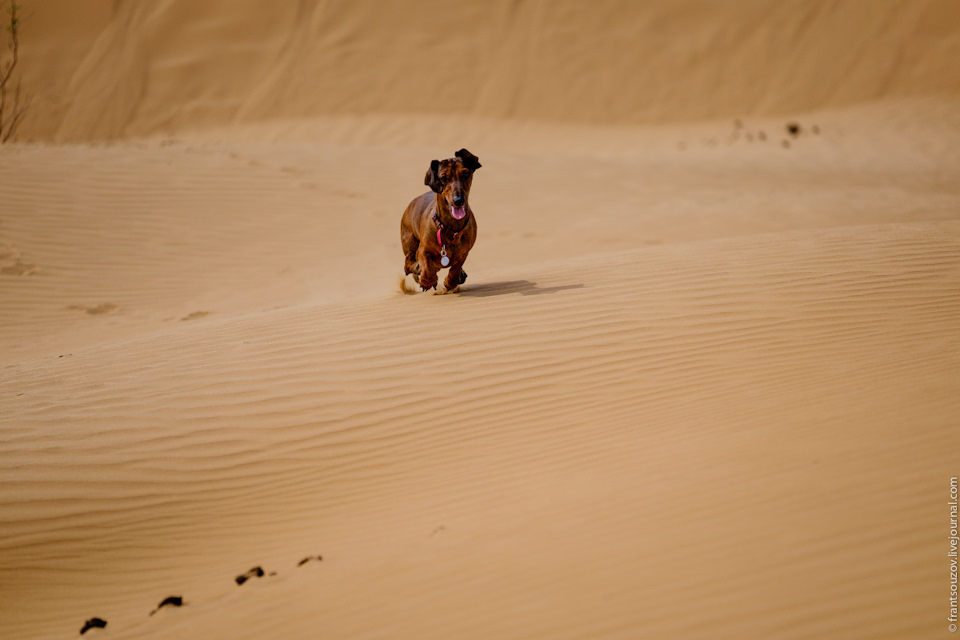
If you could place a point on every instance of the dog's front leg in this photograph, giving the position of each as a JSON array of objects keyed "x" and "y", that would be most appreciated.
[
  {"x": 428, "y": 270},
  {"x": 455, "y": 277}
]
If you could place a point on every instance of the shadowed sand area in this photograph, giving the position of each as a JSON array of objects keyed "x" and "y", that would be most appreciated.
[{"x": 702, "y": 382}]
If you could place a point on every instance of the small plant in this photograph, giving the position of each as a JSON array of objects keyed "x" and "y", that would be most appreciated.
[{"x": 11, "y": 108}]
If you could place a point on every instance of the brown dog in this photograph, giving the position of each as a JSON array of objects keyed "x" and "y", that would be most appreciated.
[{"x": 438, "y": 228}]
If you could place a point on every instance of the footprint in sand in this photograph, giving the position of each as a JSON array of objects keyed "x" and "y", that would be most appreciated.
[
  {"x": 308, "y": 559},
  {"x": 170, "y": 601},
  {"x": 256, "y": 572},
  {"x": 177, "y": 601},
  {"x": 11, "y": 262},
  {"x": 97, "y": 310},
  {"x": 93, "y": 623},
  {"x": 195, "y": 315}
]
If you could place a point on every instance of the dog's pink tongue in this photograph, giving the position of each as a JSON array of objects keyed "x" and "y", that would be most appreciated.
[{"x": 459, "y": 212}]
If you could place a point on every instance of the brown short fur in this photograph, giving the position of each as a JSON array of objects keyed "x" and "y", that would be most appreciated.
[{"x": 448, "y": 180}]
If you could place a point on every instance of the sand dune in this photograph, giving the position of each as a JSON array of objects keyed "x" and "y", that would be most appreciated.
[
  {"x": 702, "y": 382},
  {"x": 579, "y": 452},
  {"x": 611, "y": 63}
]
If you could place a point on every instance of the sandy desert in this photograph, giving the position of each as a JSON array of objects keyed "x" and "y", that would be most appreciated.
[{"x": 702, "y": 382}]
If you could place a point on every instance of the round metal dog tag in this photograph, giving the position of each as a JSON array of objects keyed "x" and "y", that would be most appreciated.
[{"x": 444, "y": 261}]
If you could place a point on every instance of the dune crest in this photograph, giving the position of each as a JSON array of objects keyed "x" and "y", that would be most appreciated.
[{"x": 602, "y": 62}]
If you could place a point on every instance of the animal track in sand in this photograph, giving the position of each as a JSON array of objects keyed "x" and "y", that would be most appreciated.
[
  {"x": 177, "y": 601},
  {"x": 318, "y": 558},
  {"x": 93, "y": 623},
  {"x": 19, "y": 269},
  {"x": 256, "y": 572},
  {"x": 11, "y": 262},
  {"x": 96, "y": 310},
  {"x": 794, "y": 131},
  {"x": 172, "y": 601}
]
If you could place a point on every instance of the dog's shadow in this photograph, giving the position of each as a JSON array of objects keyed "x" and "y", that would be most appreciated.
[{"x": 507, "y": 287}]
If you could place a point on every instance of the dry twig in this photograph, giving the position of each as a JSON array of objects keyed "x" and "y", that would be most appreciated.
[{"x": 18, "y": 107}]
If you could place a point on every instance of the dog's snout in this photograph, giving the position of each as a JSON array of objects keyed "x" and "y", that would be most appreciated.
[{"x": 458, "y": 200}]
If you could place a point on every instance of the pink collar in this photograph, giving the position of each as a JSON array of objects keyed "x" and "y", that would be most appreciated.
[{"x": 456, "y": 236}]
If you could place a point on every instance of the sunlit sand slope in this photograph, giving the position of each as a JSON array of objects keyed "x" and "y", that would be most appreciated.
[
  {"x": 702, "y": 381},
  {"x": 103, "y": 69},
  {"x": 734, "y": 438}
]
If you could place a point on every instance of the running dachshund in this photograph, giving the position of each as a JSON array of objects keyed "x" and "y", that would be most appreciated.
[{"x": 438, "y": 229}]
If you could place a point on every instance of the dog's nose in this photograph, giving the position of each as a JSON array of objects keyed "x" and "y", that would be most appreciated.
[{"x": 458, "y": 200}]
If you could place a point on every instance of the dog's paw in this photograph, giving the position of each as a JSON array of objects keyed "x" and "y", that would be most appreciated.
[
  {"x": 427, "y": 281},
  {"x": 463, "y": 277}
]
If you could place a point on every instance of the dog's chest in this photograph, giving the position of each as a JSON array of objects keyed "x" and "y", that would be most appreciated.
[{"x": 450, "y": 245}]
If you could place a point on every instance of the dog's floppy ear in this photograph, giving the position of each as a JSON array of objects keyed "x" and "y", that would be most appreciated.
[
  {"x": 469, "y": 160},
  {"x": 432, "y": 179}
]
